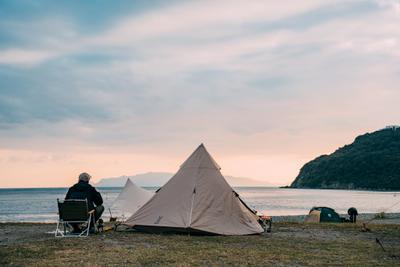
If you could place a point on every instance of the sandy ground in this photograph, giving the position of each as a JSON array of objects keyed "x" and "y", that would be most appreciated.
[
  {"x": 11, "y": 233},
  {"x": 291, "y": 243},
  {"x": 22, "y": 232}
]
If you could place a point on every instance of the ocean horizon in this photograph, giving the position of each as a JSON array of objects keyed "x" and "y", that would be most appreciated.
[{"x": 40, "y": 204}]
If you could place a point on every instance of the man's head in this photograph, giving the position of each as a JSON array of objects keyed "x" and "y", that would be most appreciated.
[{"x": 84, "y": 177}]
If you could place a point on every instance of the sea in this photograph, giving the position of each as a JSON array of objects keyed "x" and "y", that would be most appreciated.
[{"x": 40, "y": 204}]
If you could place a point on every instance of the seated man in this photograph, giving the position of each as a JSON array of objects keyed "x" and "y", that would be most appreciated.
[{"x": 83, "y": 190}]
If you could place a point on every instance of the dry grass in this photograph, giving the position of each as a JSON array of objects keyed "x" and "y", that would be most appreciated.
[{"x": 290, "y": 244}]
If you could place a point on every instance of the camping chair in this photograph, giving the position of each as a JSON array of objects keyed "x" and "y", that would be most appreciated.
[{"x": 74, "y": 211}]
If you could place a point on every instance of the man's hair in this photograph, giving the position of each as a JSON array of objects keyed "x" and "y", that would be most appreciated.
[{"x": 84, "y": 177}]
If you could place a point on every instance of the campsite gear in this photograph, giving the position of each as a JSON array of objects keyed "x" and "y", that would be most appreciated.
[
  {"x": 112, "y": 219},
  {"x": 74, "y": 211},
  {"x": 108, "y": 228},
  {"x": 266, "y": 223},
  {"x": 83, "y": 190},
  {"x": 131, "y": 198},
  {"x": 380, "y": 244},
  {"x": 353, "y": 214},
  {"x": 323, "y": 214},
  {"x": 197, "y": 200},
  {"x": 365, "y": 229}
]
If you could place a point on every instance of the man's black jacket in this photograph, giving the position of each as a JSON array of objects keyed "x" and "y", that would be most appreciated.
[{"x": 84, "y": 190}]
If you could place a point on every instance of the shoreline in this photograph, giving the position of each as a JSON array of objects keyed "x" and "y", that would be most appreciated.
[
  {"x": 393, "y": 217},
  {"x": 390, "y": 217}
]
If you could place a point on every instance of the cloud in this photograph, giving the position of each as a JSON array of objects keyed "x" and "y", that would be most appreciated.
[
  {"x": 24, "y": 57},
  {"x": 191, "y": 17},
  {"x": 256, "y": 79},
  {"x": 393, "y": 4},
  {"x": 192, "y": 20}
]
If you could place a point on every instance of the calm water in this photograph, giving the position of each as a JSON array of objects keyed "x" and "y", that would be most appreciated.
[{"x": 40, "y": 205}]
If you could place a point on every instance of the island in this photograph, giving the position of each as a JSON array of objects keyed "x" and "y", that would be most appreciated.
[{"x": 371, "y": 162}]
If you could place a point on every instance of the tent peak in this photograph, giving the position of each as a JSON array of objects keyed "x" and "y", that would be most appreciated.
[
  {"x": 200, "y": 158},
  {"x": 201, "y": 146}
]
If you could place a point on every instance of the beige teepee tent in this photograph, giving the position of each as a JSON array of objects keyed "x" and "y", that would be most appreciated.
[
  {"x": 197, "y": 199},
  {"x": 131, "y": 198}
]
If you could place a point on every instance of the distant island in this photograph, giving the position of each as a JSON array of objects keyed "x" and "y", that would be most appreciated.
[
  {"x": 371, "y": 162},
  {"x": 155, "y": 179}
]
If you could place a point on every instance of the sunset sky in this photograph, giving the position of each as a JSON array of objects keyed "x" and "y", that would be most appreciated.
[{"x": 125, "y": 87}]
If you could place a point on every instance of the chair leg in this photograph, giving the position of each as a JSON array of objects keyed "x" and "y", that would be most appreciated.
[
  {"x": 86, "y": 231},
  {"x": 58, "y": 232},
  {"x": 89, "y": 221}
]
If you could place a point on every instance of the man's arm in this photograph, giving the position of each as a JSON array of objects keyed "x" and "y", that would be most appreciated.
[{"x": 68, "y": 195}]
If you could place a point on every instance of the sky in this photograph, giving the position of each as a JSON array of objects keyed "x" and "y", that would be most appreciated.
[{"x": 125, "y": 87}]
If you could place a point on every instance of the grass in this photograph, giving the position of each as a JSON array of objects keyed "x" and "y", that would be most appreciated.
[{"x": 289, "y": 244}]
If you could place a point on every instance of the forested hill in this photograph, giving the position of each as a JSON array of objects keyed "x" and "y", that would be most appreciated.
[{"x": 372, "y": 162}]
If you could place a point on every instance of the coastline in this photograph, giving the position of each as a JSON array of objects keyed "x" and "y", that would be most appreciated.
[
  {"x": 342, "y": 189},
  {"x": 266, "y": 200},
  {"x": 390, "y": 217},
  {"x": 155, "y": 187},
  {"x": 44, "y": 229}
]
